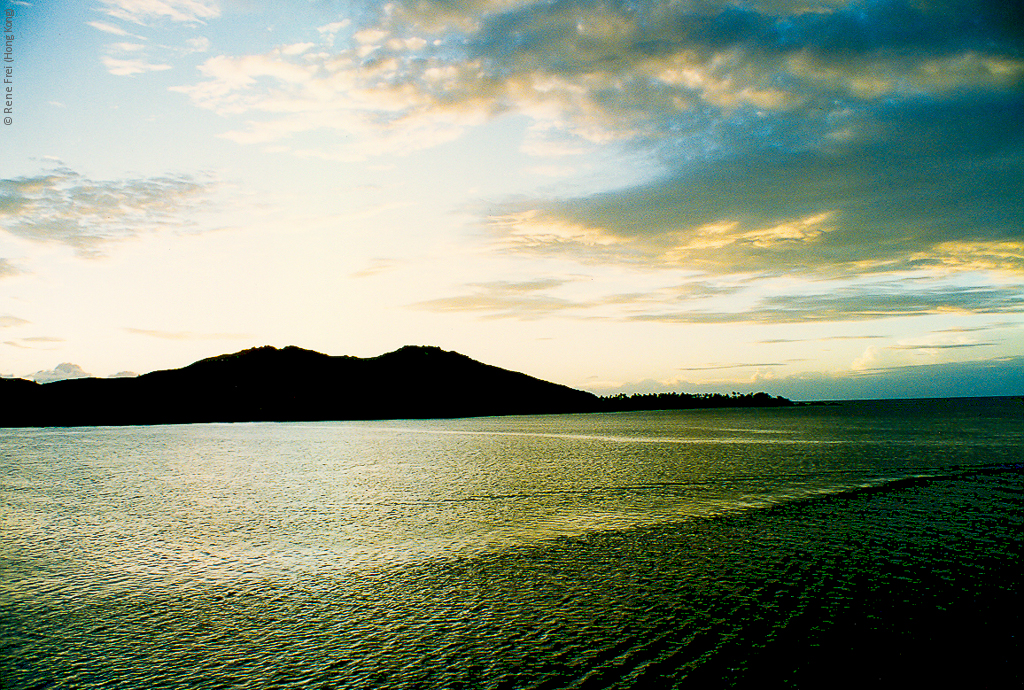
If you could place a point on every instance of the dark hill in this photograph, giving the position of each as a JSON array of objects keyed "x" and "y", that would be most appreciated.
[{"x": 292, "y": 384}]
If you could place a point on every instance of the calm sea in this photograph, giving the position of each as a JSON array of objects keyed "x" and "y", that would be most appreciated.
[{"x": 793, "y": 547}]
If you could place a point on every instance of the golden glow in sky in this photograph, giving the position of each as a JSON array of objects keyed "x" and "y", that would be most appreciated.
[{"x": 814, "y": 199}]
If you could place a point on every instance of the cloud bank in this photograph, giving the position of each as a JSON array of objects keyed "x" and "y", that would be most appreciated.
[
  {"x": 61, "y": 372},
  {"x": 976, "y": 378},
  {"x": 64, "y": 207}
]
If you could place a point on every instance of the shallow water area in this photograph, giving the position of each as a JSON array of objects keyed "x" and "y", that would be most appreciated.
[{"x": 701, "y": 547}]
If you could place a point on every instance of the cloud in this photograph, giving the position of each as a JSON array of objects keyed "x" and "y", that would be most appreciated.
[
  {"x": 852, "y": 337},
  {"x": 126, "y": 47},
  {"x": 685, "y": 75},
  {"x": 377, "y": 266},
  {"x": 505, "y": 299},
  {"x": 974, "y": 329},
  {"x": 9, "y": 269},
  {"x": 693, "y": 303},
  {"x": 109, "y": 28},
  {"x": 187, "y": 335},
  {"x": 334, "y": 27},
  {"x": 142, "y": 11},
  {"x": 998, "y": 376},
  {"x": 822, "y": 141},
  {"x": 715, "y": 367},
  {"x": 34, "y": 342},
  {"x": 59, "y": 373},
  {"x": 200, "y": 44},
  {"x": 1001, "y": 376},
  {"x": 886, "y": 202},
  {"x": 124, "y": 68},
  {"x": 776, "y": 341},
  {"x": 858, "y": 303},
  {"x": 941, "y": 346},
  {"x": 129, "y": 59},
  {"x": 8, "y": 321},
  {"x": 530, "y": 299},
  {"x": 64, "y": 207}
]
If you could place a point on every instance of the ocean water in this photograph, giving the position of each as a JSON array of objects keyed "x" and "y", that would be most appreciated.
[{"x": 876, "y": 542}]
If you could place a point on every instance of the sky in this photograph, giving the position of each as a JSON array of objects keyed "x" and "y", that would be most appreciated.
[{"x": 814, "y": 198}]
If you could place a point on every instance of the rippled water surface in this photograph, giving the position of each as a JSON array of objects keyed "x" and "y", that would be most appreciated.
[{"x": 696, "y": 548}]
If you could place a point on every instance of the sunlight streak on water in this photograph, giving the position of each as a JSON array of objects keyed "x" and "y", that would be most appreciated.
[{"x": 281, "y": 516}]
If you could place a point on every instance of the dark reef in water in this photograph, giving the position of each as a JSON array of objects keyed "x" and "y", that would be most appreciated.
[{"x": 293, "y": 384}]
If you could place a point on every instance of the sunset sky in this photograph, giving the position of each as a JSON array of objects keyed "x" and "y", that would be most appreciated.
[{"x": 813, "y": 198}]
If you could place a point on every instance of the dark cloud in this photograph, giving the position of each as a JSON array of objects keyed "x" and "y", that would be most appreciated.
[
  {"x": 730, "y": 73},
  {"x": 714, "y": 367},
  {"x": 930, "y": 186},
  {"x": 945, "y": 346},
  {"x": 688, "y": 79},
  {"x": 869, "y": 138},
  {"x": 65, "y": 207}
]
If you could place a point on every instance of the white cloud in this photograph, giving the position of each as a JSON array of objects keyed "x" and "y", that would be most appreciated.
[
  {"x": 63, "y": 207},
  {"x": 200, "y": 44},
  {"x": 109, "y": 28},
  {"x": 140, "y": 11},
  {"x": 295, "y": 48},
  {"x": 123, "y": 68},
  {"x": 334, "y": 27},
  {"x": 126, "y": 47},
  {"x": 61, "y": 372}
]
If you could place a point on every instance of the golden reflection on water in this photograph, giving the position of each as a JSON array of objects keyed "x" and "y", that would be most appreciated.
[{"x": 216, "y": 502}]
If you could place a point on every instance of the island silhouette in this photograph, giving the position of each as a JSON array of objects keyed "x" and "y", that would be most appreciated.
[{"x": 294, "y": 384}]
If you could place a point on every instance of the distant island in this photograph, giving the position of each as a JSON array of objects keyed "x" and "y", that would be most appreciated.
[{"x": 294, "y": 384}]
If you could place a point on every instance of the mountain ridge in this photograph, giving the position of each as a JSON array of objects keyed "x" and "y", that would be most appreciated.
[{"x": 261, "y": 384}]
